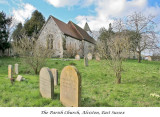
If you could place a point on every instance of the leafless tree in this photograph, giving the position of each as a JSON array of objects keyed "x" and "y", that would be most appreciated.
[
  {"x": 33, "y": 52},
  {"x": 118, "y": 47},
  {"x": 144, "y": 36}
]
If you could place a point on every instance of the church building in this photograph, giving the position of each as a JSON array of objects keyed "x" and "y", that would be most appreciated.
[{"x": 66, "y": 40}]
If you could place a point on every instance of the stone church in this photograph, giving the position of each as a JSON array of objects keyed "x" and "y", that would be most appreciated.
[{"x": 66, "y": 40}]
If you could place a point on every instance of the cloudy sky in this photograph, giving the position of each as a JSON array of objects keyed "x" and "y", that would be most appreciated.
[{"x": 98, "y": 13}]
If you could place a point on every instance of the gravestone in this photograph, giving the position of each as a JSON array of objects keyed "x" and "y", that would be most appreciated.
[
  {"x": 55, "y": 76},
  {"x": 46, "y": 83},
  {"x": 89, "y": 56},
  {"x": 77, "y": 57},
  {"x": 70, "y": 87},
  {"x": 16, "y": 68},
  {"x": 10, "y": 71},
  {"x": 19, "y": 78},
  {"x": 85, "y": 61},
  {"x": 97, "y": 56}
]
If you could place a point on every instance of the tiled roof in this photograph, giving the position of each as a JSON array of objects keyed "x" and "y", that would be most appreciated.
[
  {"x": 66, "y": 29},
  {"x": 84, "y": 34},
  {"x": 73, "y": 30}
]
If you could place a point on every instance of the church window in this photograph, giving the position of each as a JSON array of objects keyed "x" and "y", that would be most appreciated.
[{"x": 51, "y": 43}]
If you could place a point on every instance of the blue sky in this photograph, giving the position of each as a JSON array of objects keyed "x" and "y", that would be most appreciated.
[{"x": 98, "y": 13}]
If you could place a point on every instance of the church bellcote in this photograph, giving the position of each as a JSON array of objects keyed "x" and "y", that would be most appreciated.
[{"x": 86, "y": 28}]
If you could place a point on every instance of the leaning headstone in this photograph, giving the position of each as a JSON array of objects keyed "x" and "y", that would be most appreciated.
[
  {"x": 10, "y": 71},
  {"x": 89, "y": 56},
  {"x": 46, "y": 83},
  {"x": 16, "y": 68},
  {"x": 19, "y": 78},
  {"x": 85, "y": 61},
  {"x": 55, "y": 76},
  {"x": 70, "y": 87},
  {"x": 77, "y": 57}
]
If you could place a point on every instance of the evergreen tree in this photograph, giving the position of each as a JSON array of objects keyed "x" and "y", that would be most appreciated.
[
  {"x": 17, "y": 32},
  {"x": 34, "y": 25},
  {"x": 4, "y": 31}
]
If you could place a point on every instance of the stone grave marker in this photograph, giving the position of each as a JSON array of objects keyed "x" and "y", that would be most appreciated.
[
  {"x": 10, "y": 71},
  {"x": 70, "y": 87},
  {"x": 77, "y": 57},
  {"x": 55, "y": 76},
  {"x": 19, "y": 78},
  {"x": 97, "y": 56},
  {"x": 89, "y": 56},
  {"x": 16, "y": 68},
  {"x": 85, "y": 61},
  {"x": 46, "y": 83}
]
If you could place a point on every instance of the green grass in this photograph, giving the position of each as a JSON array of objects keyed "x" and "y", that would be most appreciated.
[{"x": 139, "y": 80}]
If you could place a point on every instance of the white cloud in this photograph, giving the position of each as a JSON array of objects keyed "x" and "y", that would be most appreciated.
[
  {"x": 24, "y": 12},
  {"x": 3, "y": 2},
  {"x": 63, "y": 3},
  {"x": 107, "y": 10}
]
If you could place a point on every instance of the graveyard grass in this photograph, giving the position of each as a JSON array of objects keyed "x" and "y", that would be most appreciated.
[{"x": 139, "y": 81}]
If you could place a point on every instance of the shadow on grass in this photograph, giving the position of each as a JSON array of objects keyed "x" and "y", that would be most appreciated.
[{"x": 89, "y": 102}]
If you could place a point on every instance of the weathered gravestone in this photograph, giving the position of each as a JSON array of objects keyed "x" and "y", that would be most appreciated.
[
  {"x": 16, "y": 68},
  {"x": 70, "y": 87},
  {"x": 97, "y": 56},
  {"x": 10, "y": 71},
  {"x": 85, "y": 61},
  {"x": 46, "y": 83},
  {"x": 89, "y": 56},
  {"x": 55, "y": 76},
  {"x": 77, "y": 57}
]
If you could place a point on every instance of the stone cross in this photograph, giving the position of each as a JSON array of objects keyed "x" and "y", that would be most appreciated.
[
  {"x": 10, "y": 71},
  {"x": 46, "y": 83},
  {"x": 70, "y": 87},
  {"x": 85, "y": 61},
  {"x": 16, "y": 68},
  {"x": 55, "y": 76}
]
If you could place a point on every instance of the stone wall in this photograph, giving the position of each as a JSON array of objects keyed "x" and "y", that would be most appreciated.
[
  {"x": 51, "y": 31},
  {"x": 72, "y": 45},
  {"x": 88, "y": 48}
]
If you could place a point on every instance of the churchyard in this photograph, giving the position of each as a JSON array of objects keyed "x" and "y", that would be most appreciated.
[{"x": 139, "y": 86}]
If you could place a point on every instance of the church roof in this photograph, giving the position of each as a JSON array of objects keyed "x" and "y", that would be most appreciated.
[
  {"x": 86, "y": 27},
  {"x": 84, "y": 34},
  {"x": 73, "y": 30}
]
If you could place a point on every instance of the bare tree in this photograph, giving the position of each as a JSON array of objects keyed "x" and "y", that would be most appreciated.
[
  {"x": 144, "y": 36},
  {"x": 33, "y": 52},
  {"x": 70, "y": 51},
  {"x": 118, "y": 46}
]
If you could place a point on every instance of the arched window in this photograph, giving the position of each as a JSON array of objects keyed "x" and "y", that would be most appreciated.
[{"x": 49, "y": 42}]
